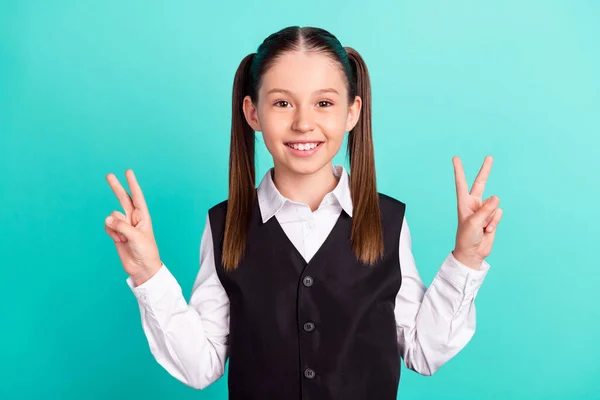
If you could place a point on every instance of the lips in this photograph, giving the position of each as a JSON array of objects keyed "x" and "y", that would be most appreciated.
[
  {"x": 303, "y": 145},
  {"x": 303, "y": 149}
]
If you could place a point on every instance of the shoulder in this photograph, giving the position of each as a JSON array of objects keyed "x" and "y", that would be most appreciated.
[
  {"x": 220, "y": 209},
  {"x": 391, "y": 209},
  {"x": 387, "y": 202},
  {"x": 221, "y": 206},
  {"x": 217, "y": 213}
]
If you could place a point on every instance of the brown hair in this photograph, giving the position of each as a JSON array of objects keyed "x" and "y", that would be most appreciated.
[{"x": 367, "y": 234}]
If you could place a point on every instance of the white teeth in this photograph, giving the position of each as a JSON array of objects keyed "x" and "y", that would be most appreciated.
[{"x": 303, "y": 146}]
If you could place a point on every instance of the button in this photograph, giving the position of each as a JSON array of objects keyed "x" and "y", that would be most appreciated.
[
  {"x": 309, "y": 373},
  {"x": 473, "y": 283},
  {"x": 309, "y": 326},
  {"x": 307, "y": 281}
]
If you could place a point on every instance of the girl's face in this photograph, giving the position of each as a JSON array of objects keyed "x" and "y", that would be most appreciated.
[{"x": 303, "y": 111}]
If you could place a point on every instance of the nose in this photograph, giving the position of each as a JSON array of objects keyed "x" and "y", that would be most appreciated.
[{"x": 303, "y": 120}]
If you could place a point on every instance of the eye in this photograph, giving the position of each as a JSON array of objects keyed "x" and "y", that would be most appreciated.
[
  {"x": 325, "y": 104},
  {"x": 285, "y": 103}
]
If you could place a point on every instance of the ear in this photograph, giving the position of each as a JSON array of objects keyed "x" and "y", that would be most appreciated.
[
  {"x": 353, "y": 113},
  {"x": 251, "y": 114}
]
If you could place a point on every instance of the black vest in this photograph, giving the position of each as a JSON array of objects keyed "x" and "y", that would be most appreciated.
[{"x": 314, "y": 331}]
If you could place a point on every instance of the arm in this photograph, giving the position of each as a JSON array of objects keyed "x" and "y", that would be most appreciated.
[
  {"x": 434, "y": 324},
  {"x": 188, "y": 340}
]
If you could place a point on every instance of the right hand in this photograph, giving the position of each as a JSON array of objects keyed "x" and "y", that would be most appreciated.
[{"x": 132, "y": 232}]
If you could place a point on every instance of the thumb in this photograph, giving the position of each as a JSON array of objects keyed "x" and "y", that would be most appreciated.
[
  {"x": 122, "y": 227},
  {"x": 489, "y": 206}
]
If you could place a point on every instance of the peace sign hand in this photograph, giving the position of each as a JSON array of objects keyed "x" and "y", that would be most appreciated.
[
  {"x": 477, "y": 219},
  {"x": 132, "y": 232}
]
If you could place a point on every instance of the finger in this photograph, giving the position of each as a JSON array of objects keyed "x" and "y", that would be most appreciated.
[
  {"x": 121, "y": 193},
  {"x": 490, "y": 217},
  {"x": 112, "y": 233},
  {"x": 488, "y": 242},
  {"x": 118, "y": 237},
  {"x": 122, "y": 227},
  {"x": 481, "y": 179},
  {"x": 485, "y": 211},
  {"x": 136, "y": 191},
  {"x": 459, "y": 177},
  {"x": 491, "y": 227},
  {"x": 122, "y": 217}
]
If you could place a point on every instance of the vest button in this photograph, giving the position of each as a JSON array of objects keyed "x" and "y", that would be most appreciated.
[
  {"x": 309, "y": 326},
  {"x": 309, "y": 373},
  {"x": 307, "y": 281}
]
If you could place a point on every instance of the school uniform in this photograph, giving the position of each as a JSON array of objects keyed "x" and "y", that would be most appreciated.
[{"x": 301, "y": 318}]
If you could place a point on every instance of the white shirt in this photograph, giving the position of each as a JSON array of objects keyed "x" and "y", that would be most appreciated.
[{"x": 190, "y": 340}]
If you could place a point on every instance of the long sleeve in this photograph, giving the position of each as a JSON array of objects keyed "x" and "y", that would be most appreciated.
[
  {"x": 188, "y": 340},
  {"x": 434, "y": 324}
]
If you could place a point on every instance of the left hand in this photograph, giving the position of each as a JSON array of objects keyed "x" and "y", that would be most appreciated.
[{"x": 477, "y": 219}]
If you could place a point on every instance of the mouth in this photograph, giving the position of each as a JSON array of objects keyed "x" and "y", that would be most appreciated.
[
  {"x": 303, "y": 146},
  {"x": 303, "y": 149}
]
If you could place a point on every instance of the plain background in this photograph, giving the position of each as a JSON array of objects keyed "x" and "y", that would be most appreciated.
[{"x": 92, "y": 87}]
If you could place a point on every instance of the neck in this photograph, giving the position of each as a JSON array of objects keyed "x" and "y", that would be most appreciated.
[{"x": 308, "y": 189}]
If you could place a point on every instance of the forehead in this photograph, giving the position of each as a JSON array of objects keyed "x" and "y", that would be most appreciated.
[{"x": 304, "y": 72}]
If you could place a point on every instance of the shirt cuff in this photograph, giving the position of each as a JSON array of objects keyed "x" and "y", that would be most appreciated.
[
  {"x": 154, "y": 289},
  {"x": 463, "y": 278}
]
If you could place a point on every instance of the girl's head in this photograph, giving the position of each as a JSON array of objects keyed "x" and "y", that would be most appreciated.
[
  {"x": 302, "y": 86},
  {"x": 301, "y": 89}
]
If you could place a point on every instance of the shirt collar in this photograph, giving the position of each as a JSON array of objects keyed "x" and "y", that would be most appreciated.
[{"x": 271, "y": 201}]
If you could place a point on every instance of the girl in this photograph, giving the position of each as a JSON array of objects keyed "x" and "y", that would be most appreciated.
[{"x": 307, "y": 284}]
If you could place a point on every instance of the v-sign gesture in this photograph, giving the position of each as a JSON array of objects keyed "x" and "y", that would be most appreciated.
[
  {"x": 477, "y": 219},
  {"x": 132, "y": 232}
]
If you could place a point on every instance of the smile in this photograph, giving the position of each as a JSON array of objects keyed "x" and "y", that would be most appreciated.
[{"x": 305, "y": 146}]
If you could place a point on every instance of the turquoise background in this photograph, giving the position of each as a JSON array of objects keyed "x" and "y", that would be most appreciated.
[{"x": 88, "y": 88}]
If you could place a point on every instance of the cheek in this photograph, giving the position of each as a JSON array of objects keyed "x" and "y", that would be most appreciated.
[
  {"x": 279, "y": 125},
  {"x": 334, "y": 125},
  {"x": 274, "y": 130},
  {"x": 274, "y": 122}
]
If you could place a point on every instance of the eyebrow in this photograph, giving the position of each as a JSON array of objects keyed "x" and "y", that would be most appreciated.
[{"x": 321, "y": 91}]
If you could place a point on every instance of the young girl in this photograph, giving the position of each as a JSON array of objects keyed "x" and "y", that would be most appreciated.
[{"x": 307, "y": 284}]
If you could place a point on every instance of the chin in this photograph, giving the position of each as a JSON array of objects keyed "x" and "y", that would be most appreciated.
[{"x": 304, "y": 167}]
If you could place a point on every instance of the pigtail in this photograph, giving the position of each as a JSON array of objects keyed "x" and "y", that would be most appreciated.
[
  {"x": 367, "y": 230},
  {"x": 242, "y": 175}
]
